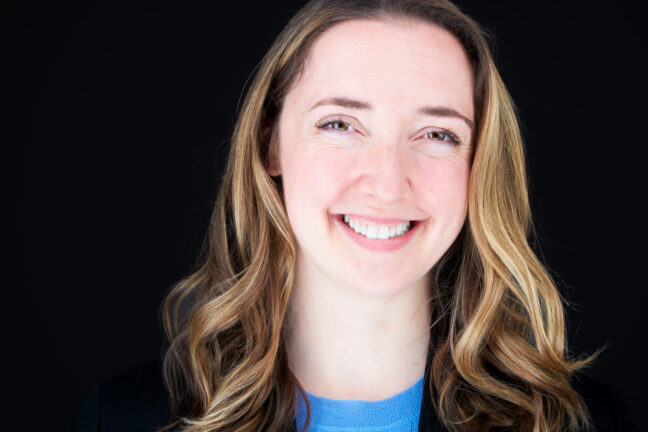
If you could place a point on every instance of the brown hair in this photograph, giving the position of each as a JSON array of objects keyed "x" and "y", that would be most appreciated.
[{"x": 499, "y": 356}]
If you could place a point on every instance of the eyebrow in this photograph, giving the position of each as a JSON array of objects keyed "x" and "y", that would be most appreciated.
[{"x": 427, "y": 110}]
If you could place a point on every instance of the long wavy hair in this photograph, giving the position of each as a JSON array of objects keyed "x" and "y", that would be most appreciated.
[{"x": 498, "y": 355}]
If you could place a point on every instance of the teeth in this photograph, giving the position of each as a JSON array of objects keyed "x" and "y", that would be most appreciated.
[
  {"x": 372, "y": 232},
  {"x": 382, "y": 232}
]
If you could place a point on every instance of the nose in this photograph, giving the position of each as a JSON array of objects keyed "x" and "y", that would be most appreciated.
[{"x": 384, "y": 178}]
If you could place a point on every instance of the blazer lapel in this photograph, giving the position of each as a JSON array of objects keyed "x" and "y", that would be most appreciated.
[{"x": 428, "y": 419}]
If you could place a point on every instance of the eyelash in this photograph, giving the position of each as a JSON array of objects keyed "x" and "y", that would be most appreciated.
[{"x": 447, "y": 132}]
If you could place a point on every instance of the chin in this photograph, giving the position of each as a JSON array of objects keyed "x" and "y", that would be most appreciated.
[{"x": 378, "y": 285}]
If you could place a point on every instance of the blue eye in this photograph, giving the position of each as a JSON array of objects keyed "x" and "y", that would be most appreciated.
[
  {"x": 443, "y": 136},
  {"x": 337, "y": 125}
]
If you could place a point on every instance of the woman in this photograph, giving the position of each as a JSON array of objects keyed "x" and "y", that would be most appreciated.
[{"x": 369, "y": 243}]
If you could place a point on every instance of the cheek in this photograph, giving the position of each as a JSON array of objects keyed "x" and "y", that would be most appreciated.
[
  {"x": 314, "y": 180},
  {"x": 443, "y": 187}
]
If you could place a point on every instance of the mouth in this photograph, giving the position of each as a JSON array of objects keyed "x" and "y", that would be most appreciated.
[{"x": 373, "y": 229}]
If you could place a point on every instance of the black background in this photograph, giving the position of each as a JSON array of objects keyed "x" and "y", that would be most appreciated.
[{"x": 116, "y": 119}]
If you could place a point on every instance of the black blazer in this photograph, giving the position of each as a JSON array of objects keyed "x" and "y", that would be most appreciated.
[{"x": 137, "y": 402}]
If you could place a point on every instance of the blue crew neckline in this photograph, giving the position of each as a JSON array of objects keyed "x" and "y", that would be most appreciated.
[{"x": 348, "y": 414}]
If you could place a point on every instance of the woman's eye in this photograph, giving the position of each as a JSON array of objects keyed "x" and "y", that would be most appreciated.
[
  {"x": 337, "y": 125},
  {"x": 443, "y": 136}
]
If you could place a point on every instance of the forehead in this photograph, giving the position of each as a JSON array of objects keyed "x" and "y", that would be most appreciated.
[{"x": 391, "y": 62}]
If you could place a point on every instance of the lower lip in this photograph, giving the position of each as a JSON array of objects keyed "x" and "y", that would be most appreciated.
[{"x": 378, "y": 245}]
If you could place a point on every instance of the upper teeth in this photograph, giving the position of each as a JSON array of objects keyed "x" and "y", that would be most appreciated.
[{"x": 372, "y": 231}]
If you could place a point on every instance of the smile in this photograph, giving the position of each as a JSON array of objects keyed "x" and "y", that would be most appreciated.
[{"x": 373, "y": 231}]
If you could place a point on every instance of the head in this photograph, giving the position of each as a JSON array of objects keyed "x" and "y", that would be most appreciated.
[
  {"x": 279, "y": 203},
  {"x": 392, "y": 178},
  {"x": 375, "y": 135}
]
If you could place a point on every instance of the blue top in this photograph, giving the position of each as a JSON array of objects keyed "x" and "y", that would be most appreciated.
[{"x": 399, "y": 413}]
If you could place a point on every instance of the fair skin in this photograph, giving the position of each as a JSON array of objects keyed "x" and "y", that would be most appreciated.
[{"x": 358, "y": 322}]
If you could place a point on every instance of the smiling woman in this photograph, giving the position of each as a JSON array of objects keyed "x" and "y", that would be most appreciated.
[{"x": 369, "y": 267}]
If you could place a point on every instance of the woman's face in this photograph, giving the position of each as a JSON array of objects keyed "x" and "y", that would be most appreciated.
[{"x": 375, "y": 137}]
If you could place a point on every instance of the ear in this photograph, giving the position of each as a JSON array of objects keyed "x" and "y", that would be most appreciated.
[{"x": 272, "y": 163}]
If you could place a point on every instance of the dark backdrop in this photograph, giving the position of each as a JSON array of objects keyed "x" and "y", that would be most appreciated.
[{"x": 116, "y": 120}]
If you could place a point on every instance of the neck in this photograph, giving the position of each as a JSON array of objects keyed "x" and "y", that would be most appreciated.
[{"x": 344, "y": 345}]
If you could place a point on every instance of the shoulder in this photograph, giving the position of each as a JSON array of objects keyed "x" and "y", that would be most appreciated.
[
  {"x": 134, "y": 401},
  {"x": 607, "y": 408}
]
